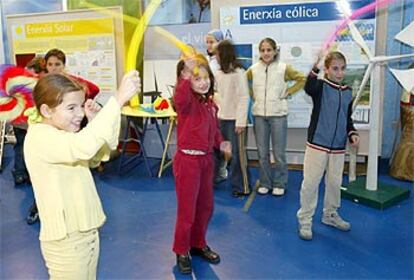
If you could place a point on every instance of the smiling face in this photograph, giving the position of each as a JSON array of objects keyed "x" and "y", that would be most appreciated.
[
  {"x": 336, "y": 70},
  {"x": 54, "y": 65},
  {"x": 69, "y": 114},
  {"x": 267, "y": 52},
  {"x": 201, "y": 83}
]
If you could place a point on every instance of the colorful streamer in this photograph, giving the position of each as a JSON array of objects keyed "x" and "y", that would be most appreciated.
[
  {"x": 136, "y": 39},
  {"x": 136, "y": 42},
  {"x": 16, "y": 88}
]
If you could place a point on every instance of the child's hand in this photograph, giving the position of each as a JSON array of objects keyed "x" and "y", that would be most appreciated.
[
  {"x": 186, "y": 73},
  {"x": 354, "y": 140},
  {"x": 225, "y": 148},
  {"x": 239, "y": 129},
  {"x": 91, "y": 109},
  {"x": 131, "y": 84},
  {"x": 321, "y": 55},
  {"x": 190, "y": 64},
  {"x": 285, "y": 95}
]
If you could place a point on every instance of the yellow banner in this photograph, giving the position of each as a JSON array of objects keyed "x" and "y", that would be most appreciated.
[{"x": 68, "y": 28}]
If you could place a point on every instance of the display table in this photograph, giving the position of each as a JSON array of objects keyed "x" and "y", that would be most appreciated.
[{"x": 133, "y": 114}]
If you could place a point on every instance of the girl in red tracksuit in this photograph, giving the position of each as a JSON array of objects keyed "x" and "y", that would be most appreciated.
[{"x": 197, "y": 135}]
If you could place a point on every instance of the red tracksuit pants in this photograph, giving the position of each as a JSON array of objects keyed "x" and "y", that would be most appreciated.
[{"x": 194, "y": 188}]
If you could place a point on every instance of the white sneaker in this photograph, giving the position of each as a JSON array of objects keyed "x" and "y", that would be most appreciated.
[
  {"x": 278, "y": 191},
  {"x": 305, "y": 231},
  {"x": 334, "y": 220},
  {"x": 222, "y": 172},
  {"x": 262, "y": 190}
]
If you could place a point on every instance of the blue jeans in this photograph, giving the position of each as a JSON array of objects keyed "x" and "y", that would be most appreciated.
[
  {"x": 274, "y": 128},
  {"x": 227, "y": 128}
]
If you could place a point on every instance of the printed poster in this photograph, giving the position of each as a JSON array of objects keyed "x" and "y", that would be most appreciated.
[
  {"x": 89, "y": 45},
  {"x": 300, "y": 30}
]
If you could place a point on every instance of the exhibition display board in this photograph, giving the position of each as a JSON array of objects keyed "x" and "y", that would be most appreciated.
[
  {"x": 92, "y": 41},
  {"x": 300, "y": 29}
]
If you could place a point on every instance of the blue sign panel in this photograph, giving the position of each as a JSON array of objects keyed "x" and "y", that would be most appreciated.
[{"x": 299, "y": 12}]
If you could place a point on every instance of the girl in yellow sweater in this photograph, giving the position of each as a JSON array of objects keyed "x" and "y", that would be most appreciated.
[{"x": 58, "y": 156}]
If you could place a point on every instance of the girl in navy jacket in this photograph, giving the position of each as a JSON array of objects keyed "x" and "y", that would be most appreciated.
[{"x": 330, "y": 127}]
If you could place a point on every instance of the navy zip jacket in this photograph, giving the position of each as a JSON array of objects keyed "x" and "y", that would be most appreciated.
[{"x": 331, "y": 123}]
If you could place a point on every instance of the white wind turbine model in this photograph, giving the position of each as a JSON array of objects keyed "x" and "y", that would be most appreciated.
[{"x": 373, "y": 72}]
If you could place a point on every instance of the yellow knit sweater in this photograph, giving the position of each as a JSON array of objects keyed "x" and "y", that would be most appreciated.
[{"x": 58, "y": 163}]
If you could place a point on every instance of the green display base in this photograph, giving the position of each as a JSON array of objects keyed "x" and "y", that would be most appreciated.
[{"x": 385, "y": 195}]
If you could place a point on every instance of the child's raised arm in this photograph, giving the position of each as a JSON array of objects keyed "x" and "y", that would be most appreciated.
[
  {"x": 183, "y": 96},
  {"x": 59, "y": 146},
  {"x": 313, "y": 85},
  {"x": 319, "y": 60}
]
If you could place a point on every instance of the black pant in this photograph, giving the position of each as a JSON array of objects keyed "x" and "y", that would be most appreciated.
[
  {"x": 19, "y": 164},
  {"x": 33, "y": 208}
]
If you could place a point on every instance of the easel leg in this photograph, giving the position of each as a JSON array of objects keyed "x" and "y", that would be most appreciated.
[
  {"x": 243, "y": 160},
  {"x": 126, "y": 132},
  {"x": 251, "y": 197}
]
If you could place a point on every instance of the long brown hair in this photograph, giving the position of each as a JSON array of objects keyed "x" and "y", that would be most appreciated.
[
  {"x": 51, "y": 88},
  {"x": 37, "y": 64},
  {"x": 227, "y": 57}
]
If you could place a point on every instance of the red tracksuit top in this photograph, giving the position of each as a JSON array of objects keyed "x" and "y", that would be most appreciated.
[
  {"x": 92, "y": 89},
  {"x": 197, "y": 122}
]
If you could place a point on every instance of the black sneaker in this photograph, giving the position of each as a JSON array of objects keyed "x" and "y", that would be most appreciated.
[
  {"x": 206, "y": 253},
  {"x": 32, "y": 218},
  {"x": 184, "y": 264},
  {"x": 237, "y": 194},
  {"x": 19, "y": 179}
]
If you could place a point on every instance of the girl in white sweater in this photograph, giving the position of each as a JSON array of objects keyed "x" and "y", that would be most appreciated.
[
  {"x": 58, "y": 156},
  {"x": 231, "y": 82}
]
